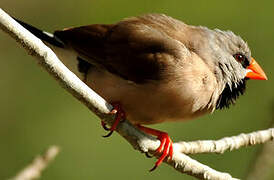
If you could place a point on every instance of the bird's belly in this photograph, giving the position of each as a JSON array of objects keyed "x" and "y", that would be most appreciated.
[{"x": 148, "y": 103}]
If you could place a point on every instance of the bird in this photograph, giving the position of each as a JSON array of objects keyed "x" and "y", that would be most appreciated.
[{"x": 154, "y": 68}]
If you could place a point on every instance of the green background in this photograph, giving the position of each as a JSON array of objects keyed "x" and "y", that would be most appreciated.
[{"x": 36, "y": 112}]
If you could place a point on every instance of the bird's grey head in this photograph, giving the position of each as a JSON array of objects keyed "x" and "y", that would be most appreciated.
[{"x": 230, "y": 56}]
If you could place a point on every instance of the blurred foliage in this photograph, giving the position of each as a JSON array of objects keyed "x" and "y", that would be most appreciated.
[{"x": 36, "y": 112}]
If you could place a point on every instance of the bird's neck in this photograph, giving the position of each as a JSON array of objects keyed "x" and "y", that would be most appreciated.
[{"x": 230, "y": 94}]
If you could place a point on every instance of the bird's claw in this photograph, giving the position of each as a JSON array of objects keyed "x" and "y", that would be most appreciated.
[
  {"x": 103, "y": 124},
  {"x": 119, "y": 116},
  {"x": 148, "y": 155},
  {"x": 108, "y": 134},
  {"x": 165, "y": 148}
]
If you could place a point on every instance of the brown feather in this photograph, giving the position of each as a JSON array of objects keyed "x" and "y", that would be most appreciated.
[
  {"x": 157, "y": 67},
  {"x": 134, "y": 49}
]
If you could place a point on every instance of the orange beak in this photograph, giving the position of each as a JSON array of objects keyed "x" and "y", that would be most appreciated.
[{"x": 255, "y": 71}]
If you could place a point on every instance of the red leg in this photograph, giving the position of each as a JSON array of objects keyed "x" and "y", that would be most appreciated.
[
  {"x": 119, "y": 115},
  {"x": 165, "y": 147}
]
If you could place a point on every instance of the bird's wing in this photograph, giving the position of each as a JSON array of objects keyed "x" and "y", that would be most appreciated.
[{"x": 133, "y": 49}]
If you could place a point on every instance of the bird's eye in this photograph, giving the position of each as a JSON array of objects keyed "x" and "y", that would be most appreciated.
[
  {"x": 239, "y": 57},
  {"x": 242, "y": 59}
]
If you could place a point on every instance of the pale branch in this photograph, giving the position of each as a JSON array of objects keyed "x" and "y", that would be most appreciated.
[
  {"x": 227, "y": 143},
  {"x": 35, "y": 168},
  {"x": 139, "y": 140}
]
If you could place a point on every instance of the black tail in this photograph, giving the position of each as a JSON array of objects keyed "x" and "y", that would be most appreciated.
[{"x": 44, "y": 36}]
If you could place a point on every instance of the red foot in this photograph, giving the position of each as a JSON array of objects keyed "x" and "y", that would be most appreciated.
[
  {"x": 165, "y": 147},
  {"x": 120, "y": 115}
]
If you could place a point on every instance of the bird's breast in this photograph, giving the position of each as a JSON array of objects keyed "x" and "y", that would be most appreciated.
[{"x": 155, "y": 101}]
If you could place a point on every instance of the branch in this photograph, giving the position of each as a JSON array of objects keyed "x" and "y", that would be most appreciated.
[
  {"x": 139, "y": 140},
  {"x": 227, "y": 143},
  {"x": 34, "y": 170}
]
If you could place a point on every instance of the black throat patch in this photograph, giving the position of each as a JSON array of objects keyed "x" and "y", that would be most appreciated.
[{"x": 229, "y": 95}]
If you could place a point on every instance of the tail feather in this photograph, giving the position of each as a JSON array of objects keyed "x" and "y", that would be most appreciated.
[
  {"x": 68, "y": 57},
  {"x": 44, "y": 36}
]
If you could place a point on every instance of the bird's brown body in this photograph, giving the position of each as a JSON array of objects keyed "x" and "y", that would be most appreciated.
[
  {"x": 143, "y": 63},
  {"x": 181, "y": 98},
  {"x": 158, "y": 68}
]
